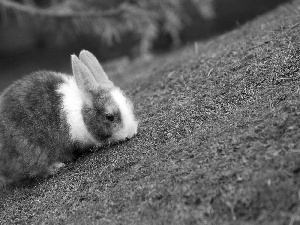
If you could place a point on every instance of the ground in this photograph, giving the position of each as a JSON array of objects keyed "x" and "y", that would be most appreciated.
[{"x": 218, "y": 142}]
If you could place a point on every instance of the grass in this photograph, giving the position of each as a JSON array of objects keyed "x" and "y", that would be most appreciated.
[{"x": 219, "y": 142}]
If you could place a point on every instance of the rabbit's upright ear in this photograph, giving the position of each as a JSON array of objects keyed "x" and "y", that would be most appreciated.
[
  {"x": 83, "y": 76},
  {"x": 91, "y": 62}
]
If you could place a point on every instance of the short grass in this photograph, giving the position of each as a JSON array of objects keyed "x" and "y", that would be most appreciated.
[{"x": 219, "y": 142}]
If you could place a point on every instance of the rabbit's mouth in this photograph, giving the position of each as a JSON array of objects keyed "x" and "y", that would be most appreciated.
[
  {"x": 126, "y": 132},
  {"x": 112, "y": 142},
  {"x": 116, "y": 139}
]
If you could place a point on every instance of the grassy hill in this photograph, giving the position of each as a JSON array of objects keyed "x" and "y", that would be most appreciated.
[{"x": 219, "y": 142}]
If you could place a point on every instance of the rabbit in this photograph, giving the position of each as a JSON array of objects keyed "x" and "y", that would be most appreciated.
[{"x": 46, "y": 116}]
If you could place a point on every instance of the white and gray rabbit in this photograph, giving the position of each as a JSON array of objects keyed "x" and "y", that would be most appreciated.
[{"x": 46, "y": 115}]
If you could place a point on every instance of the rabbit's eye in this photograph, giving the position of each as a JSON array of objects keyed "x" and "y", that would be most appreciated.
[{"x": 110, "y": 117}]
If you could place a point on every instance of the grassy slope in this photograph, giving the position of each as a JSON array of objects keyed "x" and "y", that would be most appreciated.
[{"x": 219, "y": 142}]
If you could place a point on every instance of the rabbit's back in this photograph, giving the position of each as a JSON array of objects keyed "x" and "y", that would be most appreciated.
[{"x": 33, "y": 131}]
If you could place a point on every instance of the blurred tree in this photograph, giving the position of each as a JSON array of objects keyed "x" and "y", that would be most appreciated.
[{"x": 108, "y": 20}]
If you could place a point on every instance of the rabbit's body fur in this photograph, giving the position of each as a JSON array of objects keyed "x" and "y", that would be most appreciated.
[{"x": 38, "y": 134}]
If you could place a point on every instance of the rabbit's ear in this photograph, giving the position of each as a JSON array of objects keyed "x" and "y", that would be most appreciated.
[
  {"x": 83, "y": 76},
  {"x": 91, "y": 62}
]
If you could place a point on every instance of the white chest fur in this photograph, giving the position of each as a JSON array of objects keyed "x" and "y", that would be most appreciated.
[{"x": 72, "y": 105}]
